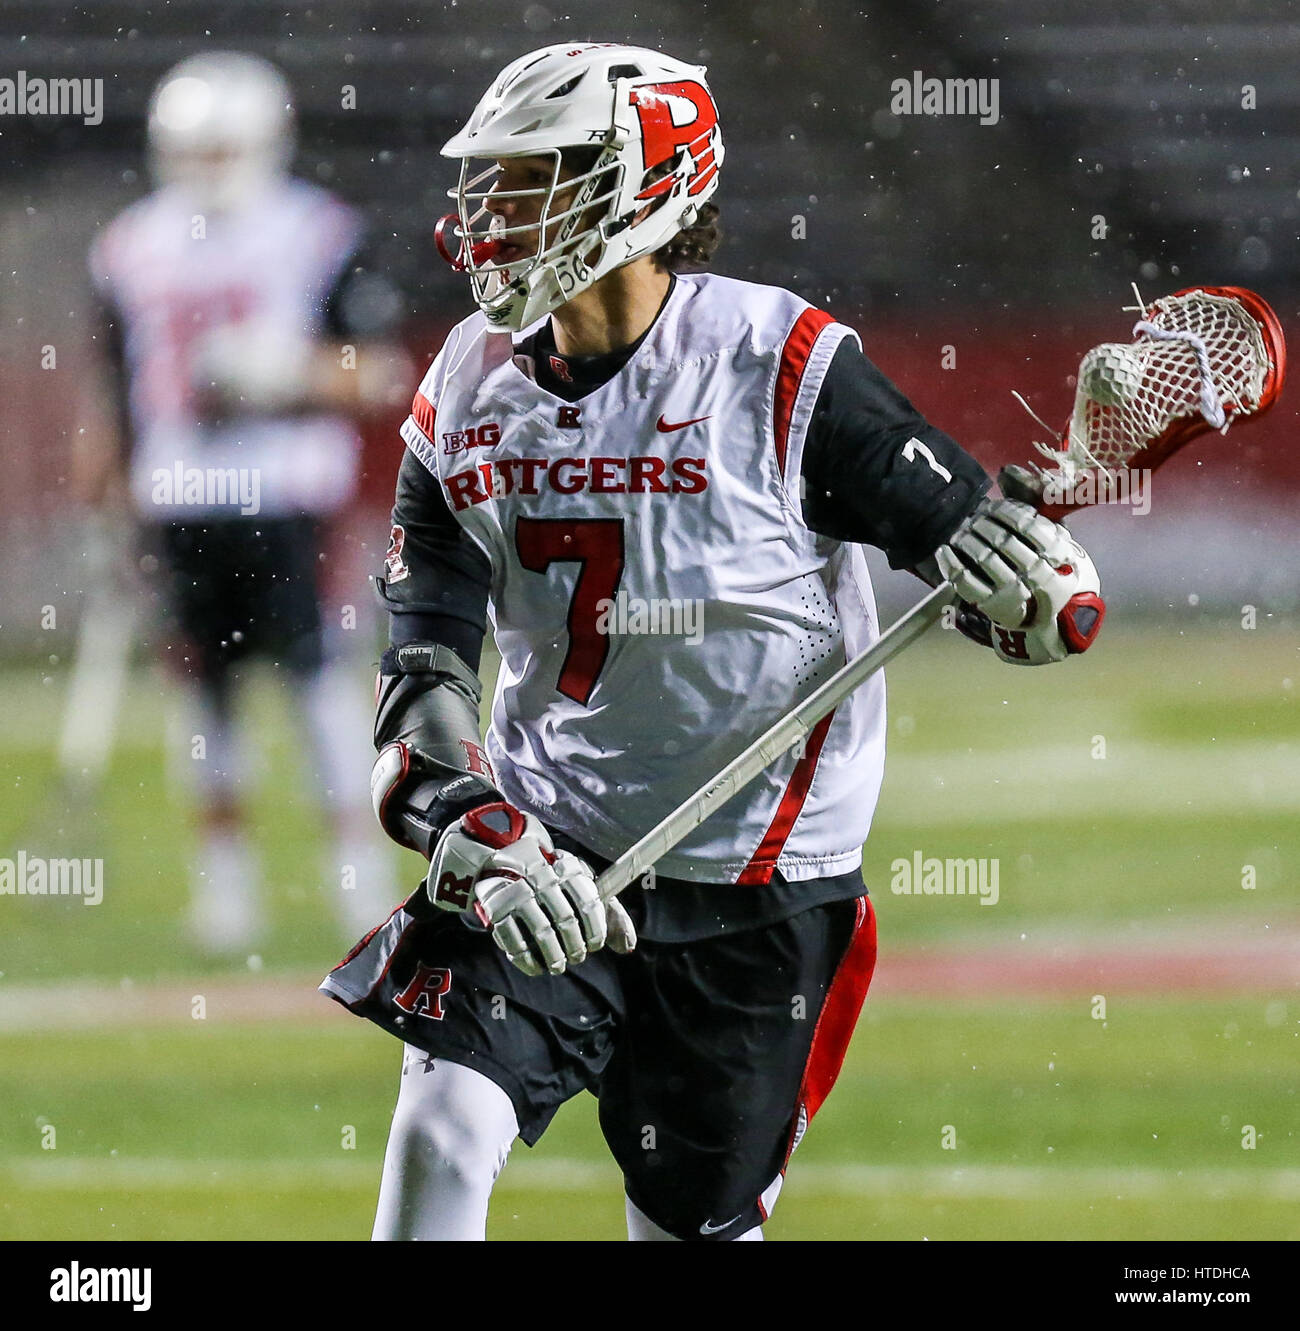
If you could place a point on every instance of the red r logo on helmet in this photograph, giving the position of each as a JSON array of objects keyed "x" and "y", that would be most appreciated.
[{"x": 662, "y": 109}]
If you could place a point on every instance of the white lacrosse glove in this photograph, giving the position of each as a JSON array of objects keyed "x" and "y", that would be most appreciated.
[
  {"x": 252, "y": 367},
  {"x": 1030, "y": 590},
  {"x": 541, "y": 905}
]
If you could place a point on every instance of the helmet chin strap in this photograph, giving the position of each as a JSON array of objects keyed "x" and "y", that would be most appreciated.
[{"x": 546, "y": 286}]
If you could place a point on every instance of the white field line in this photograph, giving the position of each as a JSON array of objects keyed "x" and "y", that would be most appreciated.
[
  {"x": 921, "y": 787},
  {"x": 1197, "y": 956},
  {"x": 1136, "y": 778},
  {"x": 1007, "y": 1182},
  {"x": 80, "y": 1004}
]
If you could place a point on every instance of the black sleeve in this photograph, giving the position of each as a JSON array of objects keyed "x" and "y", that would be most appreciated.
[
  {"x": 443, "y": 595},
  {"x": 861, "y": 481},
  {"x": 363, "y": 302}
]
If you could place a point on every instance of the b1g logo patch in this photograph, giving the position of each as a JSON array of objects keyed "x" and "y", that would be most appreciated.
[
  {"x": 393, "y": 561},
  {"x": 423, "y": 996},
  {"x": 477, "y": 436}
]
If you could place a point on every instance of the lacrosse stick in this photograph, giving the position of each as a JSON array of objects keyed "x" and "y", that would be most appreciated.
[
  {"x": 1200, "y": 359},
  {"x": 98, "y": 682}
]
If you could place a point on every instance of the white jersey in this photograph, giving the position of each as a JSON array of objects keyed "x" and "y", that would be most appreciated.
[
  {"x": 656, "y": 597},
  {"x": 173, "y": 280}
]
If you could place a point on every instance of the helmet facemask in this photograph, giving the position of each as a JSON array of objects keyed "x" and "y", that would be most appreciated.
[{"x": 515, "y": 290}]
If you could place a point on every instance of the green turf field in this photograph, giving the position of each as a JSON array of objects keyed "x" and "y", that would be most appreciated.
[
  {"x": 1063, "y": 1129},
  {"x": 1064, "y": 1125}
]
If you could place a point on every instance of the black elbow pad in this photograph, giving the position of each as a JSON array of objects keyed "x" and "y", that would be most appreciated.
[{"x": 432, "y": 767}]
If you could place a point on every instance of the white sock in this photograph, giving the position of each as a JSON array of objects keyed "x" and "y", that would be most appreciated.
[
  {"x": 206, "y": 753},
  {"x": 641, "y": 1229},
  {"x": 337, "y": 725},
  {"x": 452, "y": 1131},
  {"x": 226, "y": 895},
  {"x": 363, "y": 882}
]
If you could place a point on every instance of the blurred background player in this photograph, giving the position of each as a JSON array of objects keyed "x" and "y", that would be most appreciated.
[{"x": 241, "y": 325}]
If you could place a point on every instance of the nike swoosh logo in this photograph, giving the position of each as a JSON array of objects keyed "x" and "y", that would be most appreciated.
[
  {"x": 665, "y": 428},
  {"x": 708, "y": 1227}
]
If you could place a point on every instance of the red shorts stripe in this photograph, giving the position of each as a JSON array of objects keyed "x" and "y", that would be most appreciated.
[
  {"x": 839, "y": 1014},
  {"x": 794, "y": 358},
  {"x": 423, "y": 414},
  {"x": 762, "y": 864},
  {"x": 837, "y": 1019}
]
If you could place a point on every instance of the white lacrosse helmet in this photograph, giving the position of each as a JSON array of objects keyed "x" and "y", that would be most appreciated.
[
  {"x": 221, "y": 127},
  {"x": 653, "y": 124}
]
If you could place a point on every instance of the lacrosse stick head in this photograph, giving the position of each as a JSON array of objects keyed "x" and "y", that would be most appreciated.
[{"x": 1199, "y": 360}]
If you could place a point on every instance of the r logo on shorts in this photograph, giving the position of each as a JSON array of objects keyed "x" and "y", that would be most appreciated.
[{"x": 423, "y": 996}]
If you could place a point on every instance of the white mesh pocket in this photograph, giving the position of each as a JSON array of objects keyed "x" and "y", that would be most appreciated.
[{"x": 1194, "y": 356}]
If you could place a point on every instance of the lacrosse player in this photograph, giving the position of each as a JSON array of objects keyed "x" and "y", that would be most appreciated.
[
  {"x": 608, "y": 435},
  {"x": 227, "y": 297}
]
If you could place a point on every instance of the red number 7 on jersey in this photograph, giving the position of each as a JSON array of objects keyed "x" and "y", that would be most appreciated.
[{"x": 596, "y": 546}]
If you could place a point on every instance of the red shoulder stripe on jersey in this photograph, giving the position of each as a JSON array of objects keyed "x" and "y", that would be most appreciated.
[
  {"x": 761, "y": 866},
  {"x": 836, "y": 1020},
  {"x": 794, "y": 358},
  {"x": 423, "y": 414}
]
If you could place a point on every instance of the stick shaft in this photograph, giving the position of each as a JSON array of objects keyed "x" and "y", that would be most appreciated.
[{"x": 772, "y": 743}]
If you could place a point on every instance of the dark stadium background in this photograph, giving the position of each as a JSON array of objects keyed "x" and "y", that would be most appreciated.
[{"x": 923, "y": 232}]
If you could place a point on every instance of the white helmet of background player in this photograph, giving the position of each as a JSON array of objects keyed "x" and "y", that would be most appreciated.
[
  {"x": 221, "y": 127},
  {"x": 655, "y": 125}
]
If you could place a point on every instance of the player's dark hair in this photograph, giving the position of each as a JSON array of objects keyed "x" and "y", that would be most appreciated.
[
  {"x": 694, "y": 246},
  {"x": 690, "y": 248}
]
